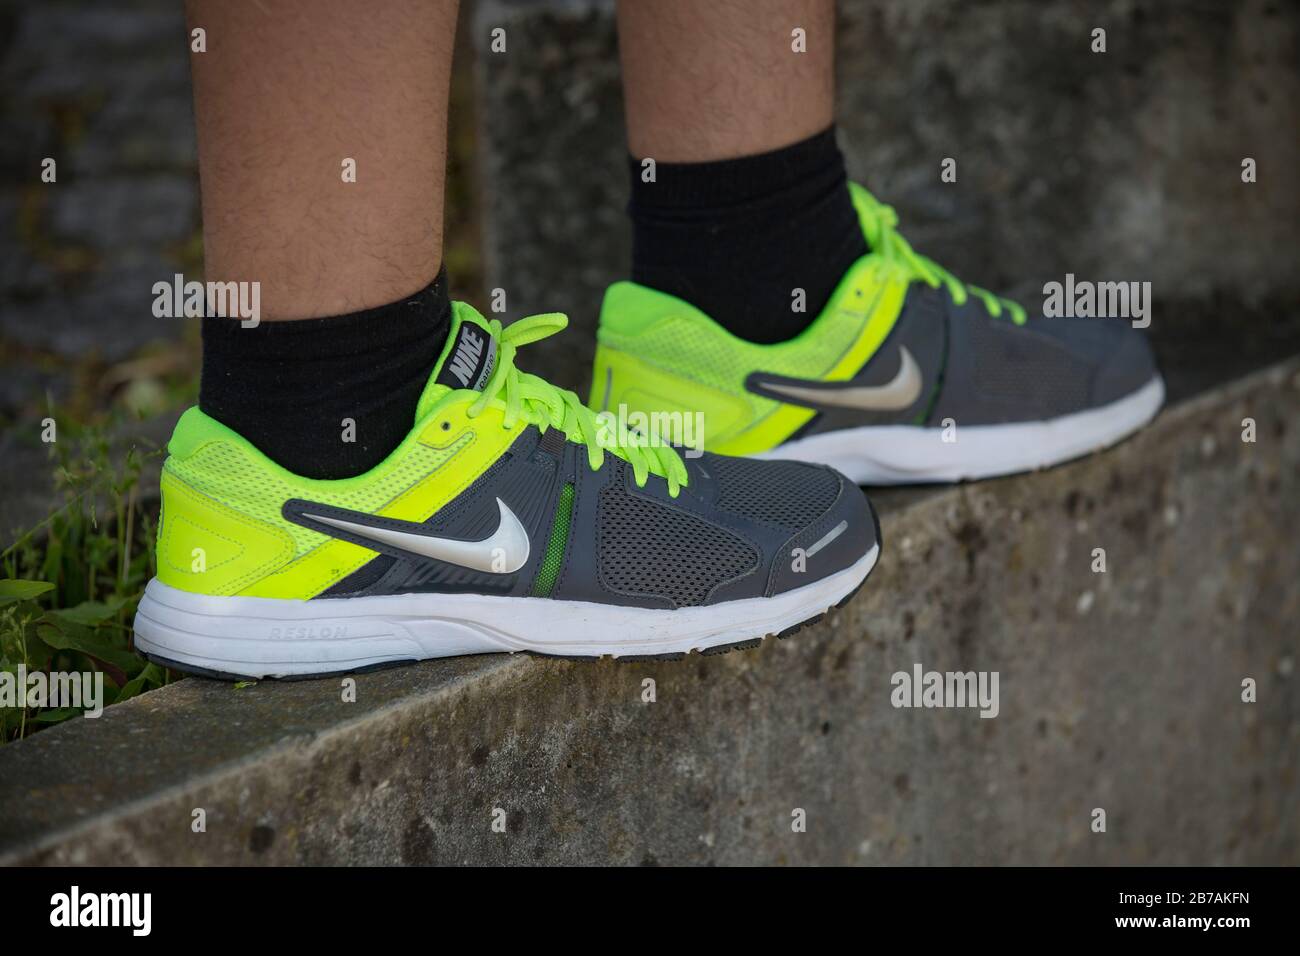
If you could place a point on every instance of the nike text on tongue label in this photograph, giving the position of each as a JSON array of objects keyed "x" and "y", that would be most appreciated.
[{"x": 472, "y": 359}]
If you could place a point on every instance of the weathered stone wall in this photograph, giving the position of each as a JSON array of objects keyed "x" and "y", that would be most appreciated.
[
  {"x": 105, "y": 92},
  {"x": 1120, "y": 691}
]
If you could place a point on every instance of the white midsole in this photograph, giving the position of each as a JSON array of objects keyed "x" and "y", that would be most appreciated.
[
  {"x": 904, "y": 454},
  {"x": 261, "y": 637}
]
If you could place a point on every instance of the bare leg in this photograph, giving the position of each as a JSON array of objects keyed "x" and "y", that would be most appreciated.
[
  {"x": 285, "y": 93},
  {"x": 717, "y": 80}
]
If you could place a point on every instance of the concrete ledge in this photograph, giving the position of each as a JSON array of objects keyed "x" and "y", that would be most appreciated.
[{"x": 1119, "y": 690}]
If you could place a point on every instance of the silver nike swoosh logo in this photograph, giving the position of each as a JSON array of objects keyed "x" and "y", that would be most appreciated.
[
  {"x": 505, "y": 552},
  {"x": 898, "y": 393}
]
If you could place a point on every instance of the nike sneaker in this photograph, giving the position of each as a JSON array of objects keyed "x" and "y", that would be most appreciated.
[
  {"x": 510, "y": 519},
  {"x": 907, "y": 375}
]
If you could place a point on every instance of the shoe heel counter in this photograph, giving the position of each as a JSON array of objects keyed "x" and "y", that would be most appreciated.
[
  {"x": 626, "y": 385},
  {"x": 207, "y": 547}
]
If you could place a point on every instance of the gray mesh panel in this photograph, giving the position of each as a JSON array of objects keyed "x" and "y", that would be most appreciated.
[
  {"x": 784, "y": 494},
  {"x": 651, "y": 549},
  {"x": 1036, "y": 370}
]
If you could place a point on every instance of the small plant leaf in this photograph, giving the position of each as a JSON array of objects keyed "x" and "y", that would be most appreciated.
[
  {"x": 55, "y": 716},
  {"x": 12, "y": 590},
  {"x": 68, "y": 636},
  {"x": 147, "y": 679},
  {"x": 89, "y": 613}
]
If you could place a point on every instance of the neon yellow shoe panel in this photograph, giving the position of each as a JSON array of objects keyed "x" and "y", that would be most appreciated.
[
  {"x": 656, "y": 352},
  {"x": 222, "y": 531}
]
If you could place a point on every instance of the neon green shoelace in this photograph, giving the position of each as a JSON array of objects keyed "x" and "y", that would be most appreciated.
[
  {"x": 540, "y": 403},
  {"x": 880, "y": 222}
]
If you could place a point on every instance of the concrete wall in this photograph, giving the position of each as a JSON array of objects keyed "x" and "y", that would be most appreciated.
[
  {"x": 106, "y": 94},
  {"x": 1120, "y": 691}
]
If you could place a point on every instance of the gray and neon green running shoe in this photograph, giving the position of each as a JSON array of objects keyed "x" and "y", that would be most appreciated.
[
  {"x": 907, "y": 375},
  {"x": 510, "y": 519}
]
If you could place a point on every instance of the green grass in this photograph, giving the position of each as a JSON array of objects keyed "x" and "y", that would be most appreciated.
[{"x": 69, "y": 586}]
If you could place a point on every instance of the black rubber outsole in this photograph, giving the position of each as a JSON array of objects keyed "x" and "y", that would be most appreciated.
[{"x": 241, "y": 678}]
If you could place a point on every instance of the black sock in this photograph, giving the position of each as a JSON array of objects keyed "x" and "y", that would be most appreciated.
[
  {"x": 735, "y": 238},
  {"x": 288, "y": 386}
]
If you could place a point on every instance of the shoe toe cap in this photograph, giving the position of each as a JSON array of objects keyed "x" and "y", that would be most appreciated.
[
  {"x": 1127, "y": 365},
  {"x": 839, "y": 538}
]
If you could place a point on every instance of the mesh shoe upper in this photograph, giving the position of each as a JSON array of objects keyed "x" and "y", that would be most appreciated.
[
  {"x": 997, "y": 372},
  {"x": 981, "y": 359},
  {"x": 731, "y": 533},
  {"x": 653, "y": 549},
  {"x": 506, "y": 486},
  {"x": 783, "y": 494}
]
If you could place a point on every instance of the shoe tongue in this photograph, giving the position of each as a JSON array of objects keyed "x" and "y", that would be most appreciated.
[{"x": 467, "y": 359}]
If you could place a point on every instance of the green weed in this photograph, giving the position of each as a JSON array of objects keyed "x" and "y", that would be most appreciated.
[{"x": 69, "y": 586}]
